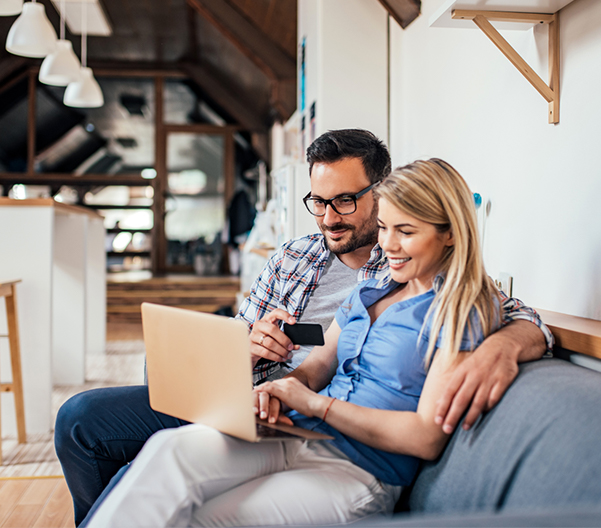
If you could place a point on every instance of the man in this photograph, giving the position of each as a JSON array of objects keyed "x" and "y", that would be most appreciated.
[
  {"x": 316, "y": 273},
  {"x": 100, "y": 431}
]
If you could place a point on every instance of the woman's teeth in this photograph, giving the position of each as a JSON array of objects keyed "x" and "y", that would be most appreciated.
[{"x": 397, "y": 261}]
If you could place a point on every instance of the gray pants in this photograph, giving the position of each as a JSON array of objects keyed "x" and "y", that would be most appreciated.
[{"x": 196, "y": 476}]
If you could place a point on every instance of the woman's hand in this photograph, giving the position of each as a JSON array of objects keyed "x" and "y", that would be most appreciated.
[
  {"x": 293, "y": 394},
  {"x": 269, "y": 408}
]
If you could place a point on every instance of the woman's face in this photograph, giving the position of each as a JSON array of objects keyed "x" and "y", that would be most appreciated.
[{"x": 415, "y": 249}]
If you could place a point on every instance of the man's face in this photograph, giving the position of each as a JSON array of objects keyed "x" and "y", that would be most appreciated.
[{"x": 345, "y": 233}]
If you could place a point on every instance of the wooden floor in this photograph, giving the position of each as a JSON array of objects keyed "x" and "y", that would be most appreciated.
[
  {"x": 35, "y": 502},
  {"x": 33, "y": 492}
]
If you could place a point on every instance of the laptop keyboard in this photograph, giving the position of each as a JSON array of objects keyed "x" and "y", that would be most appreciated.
[{"x": 267, "y": 432}]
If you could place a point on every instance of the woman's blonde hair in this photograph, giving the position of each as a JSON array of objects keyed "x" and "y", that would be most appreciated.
[{"x": 434, "y": 192}]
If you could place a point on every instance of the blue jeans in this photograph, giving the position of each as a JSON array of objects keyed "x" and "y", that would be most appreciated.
[{"x": 98, "y": 432}]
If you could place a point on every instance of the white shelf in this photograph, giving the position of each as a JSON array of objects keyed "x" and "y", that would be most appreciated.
[{"x": 442, "y": 17}]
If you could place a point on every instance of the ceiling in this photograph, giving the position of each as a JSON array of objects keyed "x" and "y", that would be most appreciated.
[
  {"x": 240, "y": 56},
  {"x": 233, "y": 61}
]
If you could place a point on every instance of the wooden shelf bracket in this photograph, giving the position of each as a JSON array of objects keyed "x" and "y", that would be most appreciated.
[{"x": 549, "y": 91}]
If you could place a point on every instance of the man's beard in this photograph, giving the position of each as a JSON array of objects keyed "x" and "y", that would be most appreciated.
[{"x": 366, "y": 235}]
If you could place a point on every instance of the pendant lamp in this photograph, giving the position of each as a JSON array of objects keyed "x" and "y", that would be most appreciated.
[
  {"x": 10, "y": 7},
  {"x": 32, "y": 34},
  {"x": 85, "y": 92},
  {"x": 62, "y": 66}
]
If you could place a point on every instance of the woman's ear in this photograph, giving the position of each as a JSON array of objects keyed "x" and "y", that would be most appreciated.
[{"x": 450, "y": 240}]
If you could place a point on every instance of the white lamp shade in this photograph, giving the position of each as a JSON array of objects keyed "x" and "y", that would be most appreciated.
[
  {"x": 61, "y": 67},
  {"x": 85, "y": 92},
  {"x": 32, "y": 34},
  {"x": 10, "y": 7}
]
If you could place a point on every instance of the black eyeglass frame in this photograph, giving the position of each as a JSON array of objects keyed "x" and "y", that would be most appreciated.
[{"x": 330, "y": 202}]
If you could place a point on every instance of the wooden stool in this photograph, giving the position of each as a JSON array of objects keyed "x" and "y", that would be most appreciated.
[{"x": 8, "y": 291}]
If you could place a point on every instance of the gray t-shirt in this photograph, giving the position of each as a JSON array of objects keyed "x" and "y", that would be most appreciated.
[{"x": 335, "y": 284}]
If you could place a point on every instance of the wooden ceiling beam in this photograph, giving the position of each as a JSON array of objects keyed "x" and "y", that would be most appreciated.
[
  {"x": 101, "y": 69},
  {"x": 14, "y": 80},
  {"x": 283, "y": 97},
  {"x": 242, "y": 111},
  {"x": 42, "y": 178},
  {"x": 403, "y": 11},
  {"x": 9, "y": 66},
  {"x": 260, "y": 143},
  {"x": 134, "y": 69},
  {"x": 247, "y": 37},
  {"x": 202, "y": 128}
]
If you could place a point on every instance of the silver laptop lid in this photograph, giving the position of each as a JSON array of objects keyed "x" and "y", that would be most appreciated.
[{"x": 199, "y": 368}]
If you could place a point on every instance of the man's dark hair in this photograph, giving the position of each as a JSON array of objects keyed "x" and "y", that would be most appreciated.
[{"x": 336, "y": 145}]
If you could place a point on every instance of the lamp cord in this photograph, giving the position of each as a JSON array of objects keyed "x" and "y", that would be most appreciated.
[
  {"x": 84, "y": 30},
  {"x": 62, "y": 29}
]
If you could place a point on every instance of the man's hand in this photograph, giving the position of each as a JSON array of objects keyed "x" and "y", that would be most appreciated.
[
  {"x": 482, "y": 379},
  {"x": 268, "y": 341}
]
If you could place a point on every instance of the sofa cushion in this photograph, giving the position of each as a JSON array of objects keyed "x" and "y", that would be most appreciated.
[
  {"x": 539, "y": 447},
  {"x": 555, "y": 517}
]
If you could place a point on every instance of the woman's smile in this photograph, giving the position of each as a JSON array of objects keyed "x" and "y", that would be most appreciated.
[
  {"x": 415, "y": 249},
  {"x": 396, "y": 262}
]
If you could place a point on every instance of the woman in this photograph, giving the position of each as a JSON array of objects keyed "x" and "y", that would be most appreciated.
[{"x": 373, "y": 386}]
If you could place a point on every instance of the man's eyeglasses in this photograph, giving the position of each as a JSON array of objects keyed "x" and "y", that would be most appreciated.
[{"x": 345, "y": 204}]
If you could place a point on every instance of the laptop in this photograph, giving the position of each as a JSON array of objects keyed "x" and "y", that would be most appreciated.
[{"x": 199, "y": 370}]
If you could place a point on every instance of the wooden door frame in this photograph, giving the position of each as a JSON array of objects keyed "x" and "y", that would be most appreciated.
[
  {"x": 160, "y": 184},
  {"x": 162, "y": 129}
]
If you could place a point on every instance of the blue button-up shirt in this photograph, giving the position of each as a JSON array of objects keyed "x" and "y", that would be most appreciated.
[
  {"x": 293, "y": 272},
  {"x": 380, "y": 366}
]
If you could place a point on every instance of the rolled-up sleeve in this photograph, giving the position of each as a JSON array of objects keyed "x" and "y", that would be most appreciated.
[{"x": 516, "y": 310}]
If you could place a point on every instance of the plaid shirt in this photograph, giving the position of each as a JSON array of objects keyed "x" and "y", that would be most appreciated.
[{"x": 292, "y": 273}]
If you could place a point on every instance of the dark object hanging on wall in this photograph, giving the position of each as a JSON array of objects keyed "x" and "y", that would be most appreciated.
[{"x": 241, "y": 216}]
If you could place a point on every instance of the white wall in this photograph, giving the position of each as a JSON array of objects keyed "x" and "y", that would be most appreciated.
[
  {"x": 455, "y": 96},
  {"x": 346, "y": 64}
]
